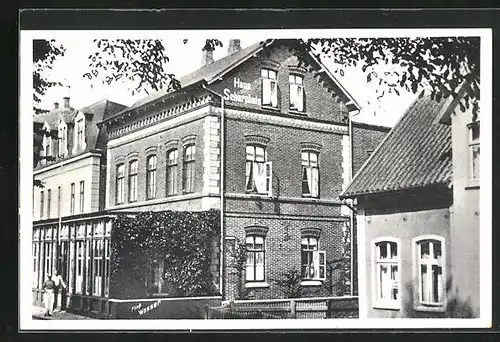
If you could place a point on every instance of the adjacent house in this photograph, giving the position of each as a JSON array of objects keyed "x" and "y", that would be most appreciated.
[{"x": 417, "y": 215}]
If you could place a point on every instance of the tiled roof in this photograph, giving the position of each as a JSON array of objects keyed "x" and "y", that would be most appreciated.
[
  {"x": 54, "y": 115},
  {"x": 415, "y": 153}
]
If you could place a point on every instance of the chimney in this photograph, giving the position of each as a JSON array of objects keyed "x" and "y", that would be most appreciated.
[
  {"x": 208, "y": 56},
  {"x": 56, "y": 105},
  {"x": 234, "y": 46},
  {"x": 66, "y": 102}
]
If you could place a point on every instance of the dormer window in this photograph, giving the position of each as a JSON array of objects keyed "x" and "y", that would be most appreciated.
[
  {"x": 47, "y": 146},
  {"x": 79, "y": 134},
  {"x": 62, "y": 139},
  {"x": 269, "y": 88}
]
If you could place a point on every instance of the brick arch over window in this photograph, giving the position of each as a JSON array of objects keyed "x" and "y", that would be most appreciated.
[
  {"x": 132, "y": 155},
  {"x": 310, "y": 232},
  {"x": 256, "y": 139},
  {"x": 172, "y": 144},
  {"x": 119, "y": 159},
  {"x": 297, "y": 70},
  {"x": 270, "y": 64},
  {"x": 310, "y": 146},
  {"x": 151, "y": 150},
  {"x": 191, "y": 139},
  {"x": 256, "y": 230}
]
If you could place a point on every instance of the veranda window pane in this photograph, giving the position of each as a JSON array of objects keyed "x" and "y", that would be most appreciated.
[
  {"x": 424, "y": 250},
  {"x": 424, "y": 283}
]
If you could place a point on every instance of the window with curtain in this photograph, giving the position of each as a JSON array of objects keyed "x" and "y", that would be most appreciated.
[
  {"x": 172, "y": 157},
  {"x": 255, "y": 263},
  {"x": 386, "y": 273},
  {"x": 310, "y": 174},
  {"x": 296, "y": 93},
  {"x": 430, "y": 265},
  {"x": 132, "y": 181},
  {"x": 188, "y": 170},
  {"x": 269, "y": 88},
  {"x": 151, "y": 177},
  {"x": 258, "y": 177},
  {"x": 120, "y": 184},
  {"x": 313, "y": 260}
]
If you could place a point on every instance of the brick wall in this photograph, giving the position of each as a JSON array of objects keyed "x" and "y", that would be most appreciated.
[{"x": 365, "y": 139}]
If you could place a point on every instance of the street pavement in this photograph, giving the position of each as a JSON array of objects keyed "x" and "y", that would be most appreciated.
[{"x": 38, "y": 313}]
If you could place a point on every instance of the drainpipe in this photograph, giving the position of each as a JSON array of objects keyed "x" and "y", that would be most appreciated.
[
  {"x": 351, "y": 218},
  {"x": 222, "y": 143}
]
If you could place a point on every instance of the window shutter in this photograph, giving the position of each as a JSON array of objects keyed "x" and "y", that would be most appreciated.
[
  {"x": 319, "y": 261},
  {"x": 274, "y": 93},
  {"x": 300, "y": 98},
  {"x": 315, "y": 182},
  {"x": 269, "y": 178},
  {"x": 266, "y": 91}
]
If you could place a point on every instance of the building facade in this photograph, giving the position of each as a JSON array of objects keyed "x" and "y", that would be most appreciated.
[{"x": 411, "y": 260}]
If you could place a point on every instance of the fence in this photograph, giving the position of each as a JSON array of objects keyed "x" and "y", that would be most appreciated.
[{"x": 299, "y": 308}]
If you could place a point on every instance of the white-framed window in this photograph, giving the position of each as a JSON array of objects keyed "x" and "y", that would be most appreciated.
[
  {"x": 296, "y": 92},
  {"x": 72, "y": 199},
  {"x": 47, "y": 146},
  {"x": 258, "y": 170},
  {"x": 79, "y": 143},
  {"x": 151, "y": 177},
  {"x": 79, "y": 134},
  {"x": 132, "y": 181},
  {"x": 255, "y": 264},
  {"x": 107, "y": 254},
  {"x": 97, "y": 267},
  {"x": 63, "y": 139},
  {"x": 172, "y": 160},
  {"x": 80, "y": 258},
  {"x": 310, "y": 174},
  {"x": 269, "y": 88},
  {"x": 49, "y": 200},
  {"x": 474, "y": 155},
  {"x": 82, "y": 196},
  {"x": 36, "y": 251},
  {"x": 313, "y": 261},
  {"x": 120, "y": 184},
  {"x": 42, "y": 199},
  {"x": 386, "y": 277},
  {"x": 188, "y": 168},
  {"x": 429, "y": 254}
]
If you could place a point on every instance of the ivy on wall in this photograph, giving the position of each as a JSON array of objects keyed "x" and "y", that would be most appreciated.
[{"x": 185, "y": 241}]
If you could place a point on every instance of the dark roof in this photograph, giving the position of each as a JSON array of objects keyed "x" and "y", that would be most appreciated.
[
  {"x": 415, "y": 153},
  {"x": 211, "y": 72}
]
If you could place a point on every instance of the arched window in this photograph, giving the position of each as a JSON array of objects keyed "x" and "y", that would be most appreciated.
[
  {"x": 172, "y": 157},
  {"x": 151, "y": 177},
  {"x": 310, "y": 174},
  {"x": 120, "y": 183},
  {"x": 258, "y": 176},
  {"x": 386, "y": 275},
  {"x": 188, "y": 169},
  {"x": 132, "y": 181},
  {"x": 296, "y": 92}
]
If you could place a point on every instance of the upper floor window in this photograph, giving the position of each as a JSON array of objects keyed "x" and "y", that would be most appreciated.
[
  {"x": 172, "y": 157},
  {"x": 188, "y": 168},
  {"x": 258, "y": 170},
  {"x": 47, "y": 146},
  {"x": 310, "y": 174},
  {"x": 255, "y": 263},
  {"x": 49, "y": 200},
  {"x": 82, "y": 194},
  {"x": 269, "y": 88},
  {"x": 132, "y": 181},
  {"x": 474, "y": 151},
  {"x": 151, "y": 177},
  {"x": 58, "y": 201},
  {"x": 42, "y": 199},
  {"x": 79, "y": 134},
  {"x": 72, "y": 199},
  {"x": 120, "y": 183},
  {"x": 386, "y": 276},
  {"x": 296, "y": 93},
  {"x": 430, "y": 266},
  {"x": 313, "y": 261},
  {"x": 63, "y": 140}
]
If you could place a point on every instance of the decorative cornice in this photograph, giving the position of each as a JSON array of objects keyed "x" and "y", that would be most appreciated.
[
  {"x": 315, "y": 232},
  {"x": 269, "y": 63},
  {"x": 191, "y": 139},
  {"x": 297, "y": 69},
  {"x": 256, "y": 230},
  {"x": 151, "y": 149},
  {"x": 171, "y": 145},
  {"x": 311, "y": 146},
  {"x": 132, "y": 155},
  {"x": 119, "y": 159},
  {"x": 256, "y": 139}
]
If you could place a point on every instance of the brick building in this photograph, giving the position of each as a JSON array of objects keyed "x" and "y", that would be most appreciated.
[
  {"x": 284, "y": 144},
  {"x": 418, "y": 216}
]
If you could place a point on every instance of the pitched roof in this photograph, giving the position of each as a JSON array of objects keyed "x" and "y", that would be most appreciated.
[
  {"x": 52, "y": 117},
  {"x": 213, "y": 71},
  {"x": 415, "y": 153}
]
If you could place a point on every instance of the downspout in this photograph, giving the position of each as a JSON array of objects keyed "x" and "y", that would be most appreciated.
[
  {"x": 221, "y": 188},
  {"x": 351, "y": 218}
]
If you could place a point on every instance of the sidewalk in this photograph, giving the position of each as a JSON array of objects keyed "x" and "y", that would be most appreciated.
[{"x": 38, "y": 313}]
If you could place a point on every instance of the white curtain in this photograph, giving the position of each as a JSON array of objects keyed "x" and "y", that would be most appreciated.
[{"x": 259, "y": 177}]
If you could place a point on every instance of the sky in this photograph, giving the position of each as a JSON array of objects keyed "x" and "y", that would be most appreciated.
[{"x": 185, "y": 58}]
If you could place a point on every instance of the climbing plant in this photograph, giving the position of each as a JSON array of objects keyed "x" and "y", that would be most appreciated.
[{"x": 185, "y": 241}]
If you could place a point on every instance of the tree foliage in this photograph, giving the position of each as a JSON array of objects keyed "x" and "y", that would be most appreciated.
[
  {"x": 45, "y": 53},
  {"x": 183, "y": 239},
  {"x": 440, "y": 64}
]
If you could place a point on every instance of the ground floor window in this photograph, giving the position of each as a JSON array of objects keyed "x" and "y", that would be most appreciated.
[
  {"x": 386, "y": 275},
  {"x": 430, "y": 269},
  {"x": 255, "y": 258}
]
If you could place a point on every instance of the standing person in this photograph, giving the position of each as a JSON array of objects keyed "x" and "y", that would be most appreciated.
[
  {"x": 48, "y": 288},
  {"x": 58, "y": 283}
]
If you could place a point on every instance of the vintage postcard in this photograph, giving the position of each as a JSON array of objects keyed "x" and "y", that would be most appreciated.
[{"x": 255, "y": 179}]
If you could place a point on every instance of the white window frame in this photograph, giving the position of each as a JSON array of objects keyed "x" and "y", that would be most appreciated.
[
  {"x": 132, "y": 195},
  {"x": 79, "y": 123},
  {"x": 172, "y": 186},
  {"x": 265, "y": 179},
  {"x": 269, "y": 80},
  {"x": 254, "y": 264},
  {"x": 63, "y": 139},
  {"x": 120, "y": 184},
  {"x": 473, "y": 143},
  {"x": 151, "y": 167},
  {"x": 418, "y": 304},
  {"x": 310, "y": 170},
  {"x": 296, "y": 87},
  {"x": 188, "y": 164},
  {"x": 383, "y": 303},
  {"x": 316, "y": 256},
  {"x": 81, "y": 203}
]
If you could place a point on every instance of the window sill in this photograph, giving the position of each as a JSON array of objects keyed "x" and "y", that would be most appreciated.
[
  {"x": 386, "y": 305},
  {"x": 311, "y": 283},
  {"x": 297, "y": 112},
  {"x": 259, "y": 284},
  {"x": 429, "y": 308},
  {"x": 274, "y": 109},
  {"x": 257, "y": 195},
  {"x": 472, "y": 185}
]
